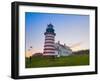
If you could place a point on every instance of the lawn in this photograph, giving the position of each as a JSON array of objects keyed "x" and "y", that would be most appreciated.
[{"x": 73, "y": 60}]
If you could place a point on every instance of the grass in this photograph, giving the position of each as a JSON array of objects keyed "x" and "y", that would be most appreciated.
[{"x": 73, "y": 60}]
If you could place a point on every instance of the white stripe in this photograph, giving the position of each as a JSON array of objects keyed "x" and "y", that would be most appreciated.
[
  {"x": 49, "y": 47},
  {"x": 49, "y": 51},
  {"x": 49, "y": 43},
  {"x": 49, "y": 35},
  {"x": 49, "y": 40}
]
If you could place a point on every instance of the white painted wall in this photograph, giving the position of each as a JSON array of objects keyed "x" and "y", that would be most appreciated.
[{"x": 5, "y": 40}]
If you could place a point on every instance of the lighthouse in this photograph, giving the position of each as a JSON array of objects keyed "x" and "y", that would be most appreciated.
[{"x": 49, "y": 45}]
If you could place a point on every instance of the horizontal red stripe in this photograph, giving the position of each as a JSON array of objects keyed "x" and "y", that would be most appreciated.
[
  {"x": 50, "y": 36},
  {"x": 48, "y": 49},
  {"x": 50, "y": 39},
  {"x": 49, "y": 42},
  {"x": 49, "y": 46}
]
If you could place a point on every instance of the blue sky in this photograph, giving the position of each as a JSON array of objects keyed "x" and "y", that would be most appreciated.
[{"x": 73, "y": 30}]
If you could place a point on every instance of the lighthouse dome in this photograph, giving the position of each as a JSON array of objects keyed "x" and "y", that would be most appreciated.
[{"x": 50, "y": 25}]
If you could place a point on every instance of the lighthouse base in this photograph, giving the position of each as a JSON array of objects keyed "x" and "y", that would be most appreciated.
[
  {"x": 48, "y": 55},
  {"x": 51, "y": 57}
]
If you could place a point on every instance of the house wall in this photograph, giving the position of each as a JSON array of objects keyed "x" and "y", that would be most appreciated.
[{"x": 62, "y": 51}]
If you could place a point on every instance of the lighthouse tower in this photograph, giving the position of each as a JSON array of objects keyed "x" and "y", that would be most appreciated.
[{"x": 49, "y": 45}]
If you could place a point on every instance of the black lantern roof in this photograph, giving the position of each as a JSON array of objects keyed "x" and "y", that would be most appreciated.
[
  {"x": 50, "y": 29},
  {"x": 50, "y": 25}
]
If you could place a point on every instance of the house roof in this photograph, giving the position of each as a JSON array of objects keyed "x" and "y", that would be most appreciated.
[{"x": 62, "y": 46}]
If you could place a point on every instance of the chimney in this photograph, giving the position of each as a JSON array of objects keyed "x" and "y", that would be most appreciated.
[
  {"x": 64, "y": 44},
  {"x": 58, "y": 42}
]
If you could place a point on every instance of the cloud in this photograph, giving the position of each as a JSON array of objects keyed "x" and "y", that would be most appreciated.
[{"x": 76, "y": 45}]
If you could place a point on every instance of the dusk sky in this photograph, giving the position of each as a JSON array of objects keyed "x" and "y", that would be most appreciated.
[{"x": 73, "y": 30}]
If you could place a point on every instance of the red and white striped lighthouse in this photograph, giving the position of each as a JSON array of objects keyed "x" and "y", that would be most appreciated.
[{"x": 49, "y": 45}]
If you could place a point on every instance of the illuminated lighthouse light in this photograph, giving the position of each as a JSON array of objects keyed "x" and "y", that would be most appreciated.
[{"x": 49, "y": 45}]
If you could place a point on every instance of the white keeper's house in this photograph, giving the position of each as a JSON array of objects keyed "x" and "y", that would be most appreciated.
[
  {"x": 62, "y": 50},
  {"x": 51, "y": 48}
]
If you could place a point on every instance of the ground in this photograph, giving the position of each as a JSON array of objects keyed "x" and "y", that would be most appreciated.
[{"x": 73, "y": 60}]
